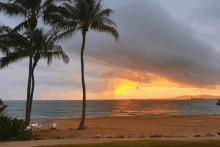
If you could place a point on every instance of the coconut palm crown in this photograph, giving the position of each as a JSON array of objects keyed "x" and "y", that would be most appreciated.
[{"x": 85, "y": 15}]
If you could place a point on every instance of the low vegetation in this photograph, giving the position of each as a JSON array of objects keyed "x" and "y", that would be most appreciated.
[{"x": 11, "y": 128}]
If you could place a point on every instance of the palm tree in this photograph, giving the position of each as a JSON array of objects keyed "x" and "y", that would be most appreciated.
[
  {"x": 85, "y": 15},
  {"x": 31, "y": 11},
  {"x": 45, "y": 48},
  {"x": 18, "y": 44}
]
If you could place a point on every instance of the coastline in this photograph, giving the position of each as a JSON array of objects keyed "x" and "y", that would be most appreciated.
[
  {"x": 132, "y": 126},
  {"x": 43, "y": 110}
]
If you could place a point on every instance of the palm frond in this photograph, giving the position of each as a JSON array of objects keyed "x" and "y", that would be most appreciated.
[
  {"x": 21, "y": 26},
  {"x": 45, "y": 46},
  {"x": 65, "y": 58},
  {"x": 16, "y": 40},
  {"x": 50, "y": 35},
  {"x": 12, "y": 40},
  {"x": 81, "y": 9},
  {"x": 12, "y": 9},
  {"x": 27, "y": 4},
  {"x": 52, "y": 19},
  {"x": 4, "y": 49},
  {"x": 67, "y": 34},
  {"x": 105, "y": 21},
  {"x": 55, "y": 54},
  {"x": 4, "y": 28},
  {"x": 72, "y": 13},
  {"x": 106, "y": 29},
  {"x": 47, "y": 3},
  {"x": 12, "y": 44},
  {"x": 54, "y": 14},
  {"x": 92, "y": 5},
  {"x": 11, "y": 57},
  {"x": 53, "y": 2},
  {"x": 66, "y": 25},
  {"x": 103, "y": 14},
  {"x": 85, "y": 9},
  {"x": 38, "y": 38},
  {"x": 97, "y": 9},
  {"x": 69, "y": 7}
]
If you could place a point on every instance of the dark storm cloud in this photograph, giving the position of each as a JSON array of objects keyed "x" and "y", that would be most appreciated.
[
  {"x": 150, "y": 41},
  {"x": 123, "y": 74}
]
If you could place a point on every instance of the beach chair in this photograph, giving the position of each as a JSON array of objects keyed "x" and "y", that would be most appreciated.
[
  {"x": 54, "y": 125},
  {"x": 28, "y": 128},
  {"x": 39, "y": 126},
  {"x": 34, "y": 125}
]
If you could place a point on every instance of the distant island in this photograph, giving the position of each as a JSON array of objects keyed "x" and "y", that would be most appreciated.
[{"x": 194, "y": 97}]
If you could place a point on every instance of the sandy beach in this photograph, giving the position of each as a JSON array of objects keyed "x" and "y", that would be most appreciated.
[{"x": 132, "y": 127}]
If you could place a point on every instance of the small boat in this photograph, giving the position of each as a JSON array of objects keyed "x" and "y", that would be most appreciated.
[
  {"x": 218, "y": 103},
  {"x": 196, "y": 98}
]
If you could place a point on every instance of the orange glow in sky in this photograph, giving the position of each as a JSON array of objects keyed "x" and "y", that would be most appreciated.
[
  {"x": 122, "y": 88},
  {"x": 157, "y": 88}
]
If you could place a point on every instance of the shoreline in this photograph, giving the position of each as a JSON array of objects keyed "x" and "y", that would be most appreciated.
[{"x": 36, "y": 120}]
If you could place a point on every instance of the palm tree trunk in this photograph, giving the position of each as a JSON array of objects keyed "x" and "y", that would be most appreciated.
[
  {"x": 28, "y": 113},
  {"x": 81, "y": 126},
  {"x": 32, "y": 90},
  {"x": 33, "y": 84},
  {"x": 28, "y": 103}
]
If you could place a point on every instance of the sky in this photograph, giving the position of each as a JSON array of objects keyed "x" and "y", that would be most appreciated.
[{"x": 166, "y": 49}]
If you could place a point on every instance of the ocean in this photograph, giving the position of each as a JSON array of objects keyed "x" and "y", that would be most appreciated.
[{"x": 64, "y": 109}]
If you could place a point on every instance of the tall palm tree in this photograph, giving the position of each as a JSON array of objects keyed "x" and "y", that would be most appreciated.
[
  {"x": 85, "y": 15},
  {"x": 31, "y": 11},
  {"x": 17, "y": 47},
  {"x": 45, "y": 48}
]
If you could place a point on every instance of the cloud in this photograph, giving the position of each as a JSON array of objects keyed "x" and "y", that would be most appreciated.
[
  {"x": 213, "y": 9},
  {"x": 151, "y": 42},
  {"x": 206, "y": 29},
  {"x": 151, "y": 46}
]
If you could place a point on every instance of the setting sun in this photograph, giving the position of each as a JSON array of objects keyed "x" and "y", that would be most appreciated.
[{"x": 127, "y": 88}]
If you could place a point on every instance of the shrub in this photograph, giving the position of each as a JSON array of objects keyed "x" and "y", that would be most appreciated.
[
  {"x": 36, "y": 137},
  {"x": 2, "y": 108},
  {"x": 11, "y": 128}
]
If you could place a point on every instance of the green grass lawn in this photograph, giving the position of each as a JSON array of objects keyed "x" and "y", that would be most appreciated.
[{"x": 150, "y": 143}]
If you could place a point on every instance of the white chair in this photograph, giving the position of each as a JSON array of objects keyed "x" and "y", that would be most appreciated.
[
  {"x": 34, "y": 125},
  {"x": 39, "y": 126},
  {"x": 54, "y": 125},
  {"x": 28, "y": 128}
]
